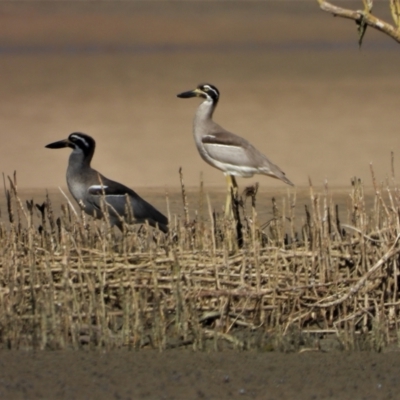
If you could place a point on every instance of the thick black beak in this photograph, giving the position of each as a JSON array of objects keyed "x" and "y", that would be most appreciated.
[
  {"x": 59, "y": 145},
  {"x": 188, "y": 95}
]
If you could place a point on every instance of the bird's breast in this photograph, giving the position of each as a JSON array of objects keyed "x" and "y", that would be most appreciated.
[{"x": 77, "y": 189}]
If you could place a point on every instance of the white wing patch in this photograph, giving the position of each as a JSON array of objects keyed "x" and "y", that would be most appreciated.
[
  {"x": 97, "y": 187},
  {"x": 226, "y": 153},
  {"x": 232, "y": 160},
  {"x": 97, "y": 190}
]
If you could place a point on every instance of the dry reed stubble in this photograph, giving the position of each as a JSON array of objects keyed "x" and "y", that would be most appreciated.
[{"x": 70, "y": 282}]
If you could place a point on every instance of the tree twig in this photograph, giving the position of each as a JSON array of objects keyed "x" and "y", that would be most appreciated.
[{"x": 361, "y": 16}]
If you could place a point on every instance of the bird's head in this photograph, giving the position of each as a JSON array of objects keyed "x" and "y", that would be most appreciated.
[
  {"x": 79, "y": 142},
  {"x": 204, "y": 90}
]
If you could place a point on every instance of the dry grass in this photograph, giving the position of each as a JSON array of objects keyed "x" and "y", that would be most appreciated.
[{"x": 70, "y": 282}]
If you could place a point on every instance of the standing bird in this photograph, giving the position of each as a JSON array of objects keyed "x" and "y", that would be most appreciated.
[
  {"x": 94, "y": 192},
  {"x": 224, "y": 150}
]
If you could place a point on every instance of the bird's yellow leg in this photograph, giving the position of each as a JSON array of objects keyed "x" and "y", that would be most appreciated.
[{"x": 232, "y": 188}]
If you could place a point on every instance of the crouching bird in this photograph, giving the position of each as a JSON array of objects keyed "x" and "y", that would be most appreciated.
[{"x": 96, "y": 193}]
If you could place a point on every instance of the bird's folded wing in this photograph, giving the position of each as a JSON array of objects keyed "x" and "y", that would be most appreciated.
[
  {"x": 120, "y": 197},
  {"x": 229, "y": 148},
  {"x": 115, "y": 195}
]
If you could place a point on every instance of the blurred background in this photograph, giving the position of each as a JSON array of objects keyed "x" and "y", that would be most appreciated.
[{"x": 292, "y": 81}]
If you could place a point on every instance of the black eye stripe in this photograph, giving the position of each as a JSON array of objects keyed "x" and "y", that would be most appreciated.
[
  {"x": 80, "y": 139},
  {"x": 211, "y": 92},
  {"x": 208, "y": 87}
]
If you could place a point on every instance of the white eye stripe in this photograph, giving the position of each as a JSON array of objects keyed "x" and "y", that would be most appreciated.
[
  {"x": 85, "y": 143},
  {"x": 210, "y": 89}
]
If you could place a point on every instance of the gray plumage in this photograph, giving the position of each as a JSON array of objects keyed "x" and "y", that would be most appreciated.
[
  {"x": 222, "y": 149},
  {"x": 91, "y": 189}
]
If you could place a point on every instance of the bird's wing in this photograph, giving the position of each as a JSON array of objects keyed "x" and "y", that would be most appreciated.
[
  {"x": 116, "y": 196},
  {"x": 227, "y": 147}
]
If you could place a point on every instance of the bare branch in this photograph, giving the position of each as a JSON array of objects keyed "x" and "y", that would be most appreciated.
[
  {"x": 365, "y": 17},
  {"x": 395, "y": 10}
]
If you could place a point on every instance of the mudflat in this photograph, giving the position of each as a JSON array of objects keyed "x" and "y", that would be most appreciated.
[{"x": 187, "y": 375}]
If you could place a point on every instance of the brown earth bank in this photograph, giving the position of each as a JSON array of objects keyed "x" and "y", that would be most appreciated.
[{"x": 194, "y": 375}]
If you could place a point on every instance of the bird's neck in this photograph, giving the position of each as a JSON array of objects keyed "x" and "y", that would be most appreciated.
[
  {"x": 203, "y": 118},
  {"x": 205, "y": 111},
  {"x": 78, "y": 160}
]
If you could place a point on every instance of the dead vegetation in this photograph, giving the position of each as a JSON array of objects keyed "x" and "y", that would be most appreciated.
[
  {"x": 364, "y": 18},
  {"x": 315, "y": 284}
]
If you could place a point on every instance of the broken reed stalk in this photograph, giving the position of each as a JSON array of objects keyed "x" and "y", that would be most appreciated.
[
  {"x": 184, "y": 197},
  {"x": 74, "y": 284}
]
